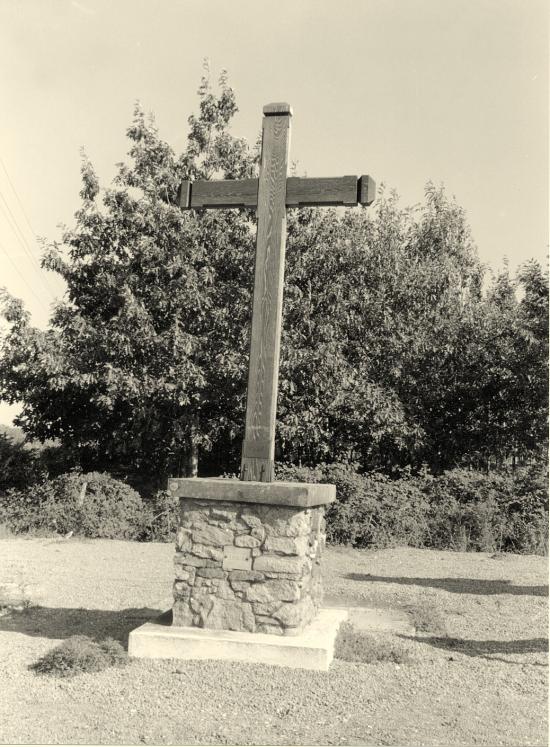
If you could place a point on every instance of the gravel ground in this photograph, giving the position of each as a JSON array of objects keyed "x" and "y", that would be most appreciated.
[{"x": 477, "y": 672}]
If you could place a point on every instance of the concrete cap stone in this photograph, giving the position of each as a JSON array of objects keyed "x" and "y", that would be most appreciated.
[{"x": 298, "y": 494}]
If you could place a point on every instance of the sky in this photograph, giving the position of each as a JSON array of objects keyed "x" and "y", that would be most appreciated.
[{"x": 452, "y": 91}]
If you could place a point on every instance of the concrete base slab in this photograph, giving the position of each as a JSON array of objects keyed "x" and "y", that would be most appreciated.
[
  {"x": 311, "y": 649},
  {"x": 381, "y": 620}
]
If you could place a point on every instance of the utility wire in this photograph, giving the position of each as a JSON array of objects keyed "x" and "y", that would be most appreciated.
[
  {"x": 25, "y": 215},
  {"x": 24, "y": 279},
  {"x": 23, "y": 241},
  {"x": 17, "y": 197}
]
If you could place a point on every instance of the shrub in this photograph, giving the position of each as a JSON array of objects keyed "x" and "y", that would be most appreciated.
[
  {"x": 368, "y": 648},
  {"x": 370, "y": 510},
  {"x": 163, "y": 510},
  {"x": 464, "y": 511},
  {"x": 20, "y": 465},
  {"x": 486, "y": 512},
  {"x": 90, "y": 505},
  {"x": 457, "y": 510},
  {"x": 81, "y": 654},
  {"x": 428, "y": 618},
  {"x": 526, "y": 510}
]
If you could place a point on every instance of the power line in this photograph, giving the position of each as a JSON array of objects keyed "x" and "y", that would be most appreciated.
[
  {"x": 22, "y": 240},
  {"x": 26, "y": 217},
  {"x": 24, "y": 279},
  {"x": 17, "y": 197}
]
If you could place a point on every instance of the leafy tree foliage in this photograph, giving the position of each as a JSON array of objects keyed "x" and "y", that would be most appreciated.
[
  {"x": 21, "y": 465},
  {"x": 145, "y": 355},
  {"x": 392, "y": 354}
]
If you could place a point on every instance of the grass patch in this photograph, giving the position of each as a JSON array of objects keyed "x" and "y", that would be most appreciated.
[
  {"x": 365, "y": 648},
  {"x": 79, "y": 654},
  {"x": 427, "y": 618}
]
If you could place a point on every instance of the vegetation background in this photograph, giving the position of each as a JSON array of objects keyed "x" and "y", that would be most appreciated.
[{"x": 409, "y": 376}]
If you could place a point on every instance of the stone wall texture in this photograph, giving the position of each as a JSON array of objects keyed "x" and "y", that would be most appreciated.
[{"x": 248, "y": 566}]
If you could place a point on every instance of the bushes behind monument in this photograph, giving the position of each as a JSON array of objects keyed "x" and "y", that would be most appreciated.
[
  {"x": 89, "y": 505},
  {"x": 458, "y": 510},
  {"x": 20, "y": 465}
]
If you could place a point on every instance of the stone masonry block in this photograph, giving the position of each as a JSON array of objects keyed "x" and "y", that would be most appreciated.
[
  {"x": 251, "y": 520},
  {"x": 182, "y": 615},
  {"x": 227, "y": 614},
  {"x": 189, "y": 560},
  {"x": 281, "y": 521},
  {"x": 190, "y": 518},
  {"x": 211, "y": 535},
  {"x": 207, "y": 551},
  {"x": 287, "y": 545},
  {"x": 185, "y": 573},
  {"x": 182, "y": 590},
  {"x": 224, "y": 590},
  {"x": 240, "y": 585},
  {"x": 210, "y": 573},
  {"x": 246, "y": 540},
  {"x": 224, "y": 514},
  {"x": 265, "y": 609},
  {"x": 295, "y": 615},
  {"x": 183, "y": 539},
  {"x": 274, "y": 591},
  {"x": 258, "y": 532},
  {"x": 245, "y": 565},
  {"x": 279, "y": 564},
  {"x": 246, "y": 576}
]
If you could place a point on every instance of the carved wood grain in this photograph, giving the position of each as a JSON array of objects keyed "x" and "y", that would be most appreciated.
[
  {"x": 257, "y": 460},
  {"x": 300, "y": 192},
  {"x": 338, "y": 190}
]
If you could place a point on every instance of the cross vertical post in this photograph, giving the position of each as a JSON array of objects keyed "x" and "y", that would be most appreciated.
[
  {"x": 263, "y": 368},
  {"x": 271, "y": 194}
]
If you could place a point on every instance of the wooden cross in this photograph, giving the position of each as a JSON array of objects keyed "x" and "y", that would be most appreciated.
[{"x": 271, "y": 194}]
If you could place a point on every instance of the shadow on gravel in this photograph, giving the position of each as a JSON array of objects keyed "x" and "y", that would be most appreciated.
[
  {"x": 485, "y": 649},
  {"x": 456, "y": 585},
  {"x": 60, "y": 622}
]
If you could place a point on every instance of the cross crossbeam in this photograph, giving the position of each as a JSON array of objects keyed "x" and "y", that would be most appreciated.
[
  {"x": 271, "y": 194},
  {"x": 300, "y": 192}
]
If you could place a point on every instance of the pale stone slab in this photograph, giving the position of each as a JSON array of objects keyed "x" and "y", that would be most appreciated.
[
  {"x": 311, "y": 649},
  {"x": 298, "y": 494},
  {"x": 370, "y": 619}
]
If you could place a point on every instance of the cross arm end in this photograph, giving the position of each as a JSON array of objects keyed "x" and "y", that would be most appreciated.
[
  {"x": 184, "y": 195},
  {"x": 366, "y": 190}
]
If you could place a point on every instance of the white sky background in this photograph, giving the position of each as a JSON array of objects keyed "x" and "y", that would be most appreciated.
[{"x": 455, "y": 91}]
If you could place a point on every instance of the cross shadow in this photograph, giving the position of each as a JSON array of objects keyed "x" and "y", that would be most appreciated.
[
  {"x": 62, "y": 622},
  {"x": 456, "y": 585},
  {"x": 485, "y": 649}
]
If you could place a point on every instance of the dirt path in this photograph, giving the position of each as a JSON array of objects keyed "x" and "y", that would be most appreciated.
[{"x": 477, "y": 672}]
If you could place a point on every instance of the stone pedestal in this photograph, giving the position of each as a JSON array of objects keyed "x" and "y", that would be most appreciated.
[{"x": 248, "y": 554}]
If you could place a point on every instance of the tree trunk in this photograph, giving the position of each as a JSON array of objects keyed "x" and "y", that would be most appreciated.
[{"x": 193, "y": 461}]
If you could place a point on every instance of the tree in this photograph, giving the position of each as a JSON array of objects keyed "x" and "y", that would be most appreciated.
[
  {"x": 147, "y": 352},
  {"x": 391, "y": 355},
  {"x": 389, "y": 295}
]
